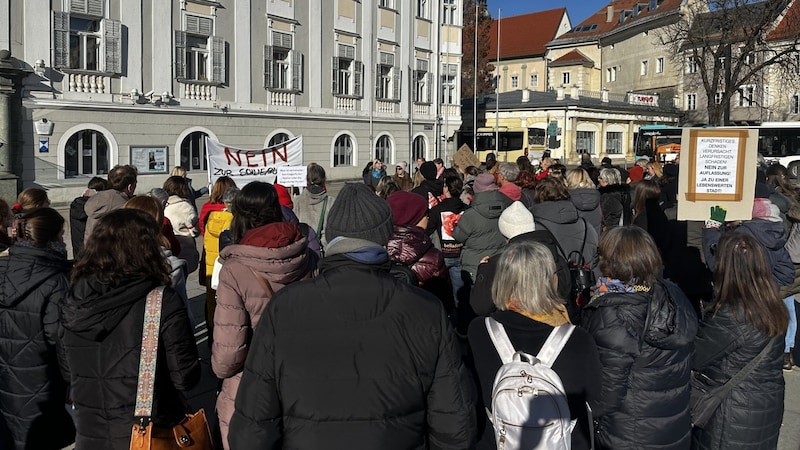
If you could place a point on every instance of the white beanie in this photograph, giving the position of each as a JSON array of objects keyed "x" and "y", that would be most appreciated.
[{"x": 516, "y": 220}]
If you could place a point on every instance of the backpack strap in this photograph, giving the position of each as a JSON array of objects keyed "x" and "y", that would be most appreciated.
[
  {"x": 500, "y": 340},
  {"x": 321, "y": 221},
  {"x": 555, "y": 343}
]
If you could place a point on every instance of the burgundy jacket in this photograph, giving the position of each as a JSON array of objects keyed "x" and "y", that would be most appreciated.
[{"x": 411, "y": 247}]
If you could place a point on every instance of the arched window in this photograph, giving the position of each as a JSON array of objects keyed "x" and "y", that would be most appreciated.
[
  {"x": 343, "y": 151},
  {"x": 383, "y": 148},
  {"x": 193, "y": 151},
  {"x": 86, "y": 153},
  {"x": 278, "y": 139},
  {"x": 418, "y": 148}
]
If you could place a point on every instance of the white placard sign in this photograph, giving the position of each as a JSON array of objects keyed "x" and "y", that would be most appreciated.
[
  {"x": 717, "y": 159},
  {"x": 292, "y": 175},
  {"x": 244, "y": 166}
]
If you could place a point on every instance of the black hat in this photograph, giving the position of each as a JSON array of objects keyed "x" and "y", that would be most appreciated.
[
  {"x": 606, "y": 161},
  {"x": 359, "y": 213},
  {"x": 428, "y": 170}
]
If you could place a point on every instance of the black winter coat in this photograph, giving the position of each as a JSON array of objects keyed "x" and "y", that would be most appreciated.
[
  {"x": 32, "y": 391},
  {"x": 750, "y": 418},
  {"x": 646, "y": 367},
  {"x": 102, "y": 341},
  {"x": 353, "y": 359},
  {"x": 578, "y": 366},
  {"x": 77, "y": 224},
  {"x": 615, "y": 203}
]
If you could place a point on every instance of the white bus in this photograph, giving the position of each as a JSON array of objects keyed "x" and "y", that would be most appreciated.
[{"x": 779, "y": 142}]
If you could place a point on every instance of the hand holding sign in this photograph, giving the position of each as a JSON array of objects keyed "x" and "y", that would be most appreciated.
[{"x": 718, "y": 214}]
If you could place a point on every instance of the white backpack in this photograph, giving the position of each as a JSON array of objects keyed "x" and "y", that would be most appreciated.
[{"x": 529, "y": 405}]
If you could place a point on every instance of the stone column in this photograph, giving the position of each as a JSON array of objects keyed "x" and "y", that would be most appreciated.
[{"x": 10, "y": 119}]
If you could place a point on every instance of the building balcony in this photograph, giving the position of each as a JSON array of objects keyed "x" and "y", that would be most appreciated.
[
  {"x": 281, "y": 98},
  {"x": 346, "y": 103},
  {"x": 88, "y": 83},
  {"x": 422, "y": 109},
  {"x": 197, "y": 91},
  {"x": 386, "y": 107}
]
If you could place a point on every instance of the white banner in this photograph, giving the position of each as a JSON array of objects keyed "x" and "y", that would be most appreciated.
[{"x": 244, "y": 166}]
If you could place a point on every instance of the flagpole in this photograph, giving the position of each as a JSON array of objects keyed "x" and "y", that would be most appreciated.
[
  {"x": 475, "y": 84},
  {"x": 497, "y": 91}
]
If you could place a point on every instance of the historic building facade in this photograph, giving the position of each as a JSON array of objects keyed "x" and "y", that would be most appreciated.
[{"x": 109, "y": 81}]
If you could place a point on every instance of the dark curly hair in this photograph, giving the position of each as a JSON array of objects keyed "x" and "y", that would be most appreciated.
[
  {"x": 255, "y": 206},
  {"x": 124, "y": 242}
]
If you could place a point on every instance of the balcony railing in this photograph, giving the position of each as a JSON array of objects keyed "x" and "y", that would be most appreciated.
[
  {"x": 197, "y": 91},
  {"x": 385, "y": 107},
  {"x": 346, "y": 104},
  {"x": 279, "y": 98},
  {"x": 90, "y": 83}
]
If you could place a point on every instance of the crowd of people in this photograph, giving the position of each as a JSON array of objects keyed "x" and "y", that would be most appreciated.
[{"x": 359, "y": 320}]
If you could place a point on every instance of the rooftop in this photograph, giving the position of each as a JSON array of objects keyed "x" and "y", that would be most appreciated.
[{"x": 529, "y": 32}]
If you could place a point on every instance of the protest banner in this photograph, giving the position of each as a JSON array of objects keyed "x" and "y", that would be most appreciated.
[
  {"x": 244, "y": 166},
  {"x": 718, "y": 168},
  {"x": 292, "y": 176}
]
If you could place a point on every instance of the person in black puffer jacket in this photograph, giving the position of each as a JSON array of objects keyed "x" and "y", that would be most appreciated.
[
  {"x": 411, "y": 247},
  {"x": 644, "y": 328},
  {"x": 747, "y": 316},
  {"x": 354, "y": 358},
  {"x": 77, "y": 214},
  {"x": 102, "y": 319},
  {"x": 615, "y": 200},
  {"x": 33, "y": 281}
]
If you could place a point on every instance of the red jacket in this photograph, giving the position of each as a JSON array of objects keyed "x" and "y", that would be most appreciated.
[{"x": 411, "y": 247}]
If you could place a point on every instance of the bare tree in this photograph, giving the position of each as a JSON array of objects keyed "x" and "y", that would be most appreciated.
[
  {"x": 483, "y": 24},
  {"x": 734, "y": 46}
]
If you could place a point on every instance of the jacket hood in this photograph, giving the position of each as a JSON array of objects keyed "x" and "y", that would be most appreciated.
[
  {"x": 25, "y": 269},
  {"x": 771, "y": 235},
  {"x": 314, "y": 199},
  {"x": 672, "y": 321},
  {"x": 616, "y": 189},
  {"x": 408, "y": 244},
  {"x": 561, "y": 212},
  {"x": 585, "y": 199},
  {"x": 276, "y": 250},
  {"x": 490, "y": 204},
  {"x": 93, "y": 309}
]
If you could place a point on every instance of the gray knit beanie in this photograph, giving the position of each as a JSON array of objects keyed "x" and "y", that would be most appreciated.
[{"x": 359, "y": 213}]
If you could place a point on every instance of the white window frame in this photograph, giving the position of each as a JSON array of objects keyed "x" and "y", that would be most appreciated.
[
  {"x": 343, "y": 150},
  {"x": 386, "y": 4},
  {"x": 80, "y": 154},
  {"x": 718, "y": 97},
  {"x": 611, "y": 74},
  {"x": 691, "y": 102},
  {"x": 614, "y": 140},
  {"x": 423, "y": 83},
  {"x": 514, "y": 81},
  {"x": 565, "y": 78},
  {"x": 644, "y": 67},
  {"x": 584, "y": 142},
  {"x": 534, "y": 80},
  {"x": 199, "y": 64},
  {"x": 418, "y": 147},
  {"x": 449, "y": 77},
  {"x": 423, "y": 7},
  {"x": 691, "y": 64},
  {"x": 450, "y": 12},
  {"x": 387, "y": 78},
  {"x": 348, "y": 72},
  {"x": 107, "y": 36},
  {"x": 283, "y": 65},
  {"x": 383, "y": 148},
  {"x": 746, "y": 95},
  {"x": 660, "y": 64}
]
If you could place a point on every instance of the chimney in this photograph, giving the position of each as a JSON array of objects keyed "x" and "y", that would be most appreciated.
[
  {"x": 526, "y": 95},
  {"x": 560, "y": 92},
  {"x": 604, "y": 95},
  {"x": 610, "y": 13},
  {"x": 573, "y": 94}
]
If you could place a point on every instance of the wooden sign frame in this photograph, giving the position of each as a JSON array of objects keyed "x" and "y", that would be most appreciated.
[{"x": 691, "y": 165}]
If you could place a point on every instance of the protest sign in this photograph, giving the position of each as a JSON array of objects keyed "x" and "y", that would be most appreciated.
[{"x": 244, "y": 166}]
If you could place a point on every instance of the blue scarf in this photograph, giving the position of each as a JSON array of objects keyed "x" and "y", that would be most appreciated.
[{"x": 376, "y": 173}]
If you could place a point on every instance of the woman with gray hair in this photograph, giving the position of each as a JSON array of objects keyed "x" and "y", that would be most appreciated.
[
  {"x": 524, "y": 292},
  {"x": 615, "y": 199}
]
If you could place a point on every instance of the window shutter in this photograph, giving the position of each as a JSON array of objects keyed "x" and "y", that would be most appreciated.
[
  {"x": 297, "y": 71},
  {"x": 396, "y": 83},
  {"x": 61, "y": 39},
  {"x": 347, "y": 51},
  {"x": 387, "y": 59},
  {"x": 268, "y": 66},
  {"x": 422, "y": 65},
  {"x": 78, "y": 6},
  {"x": 112, "y": 41},
  {"x": 335, "y": 80},
  {"x": 282, "y": 40},
  {"x": 429, "y": 87},
  {"x": 199, "y": 25},
  {"x": 217, "y": 59},
  {"x": 94, "y": 7},
  {"x": 378, "y": 82},
  {"x": 180, "y": 54},
  {"x": 358, "y": 73}
]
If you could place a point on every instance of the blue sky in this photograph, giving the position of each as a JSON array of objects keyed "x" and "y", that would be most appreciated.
[{"x": 578, "y": 10}]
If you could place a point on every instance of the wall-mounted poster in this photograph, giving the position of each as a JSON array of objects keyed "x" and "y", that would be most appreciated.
[
  {"x": 718, "y": 168},
  {"x": 149, "y": 159}
]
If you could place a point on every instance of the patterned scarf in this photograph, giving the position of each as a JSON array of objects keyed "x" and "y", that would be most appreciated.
[
  {"x": 557, "y": 317},
  {"x": 607, "y": 285}
]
